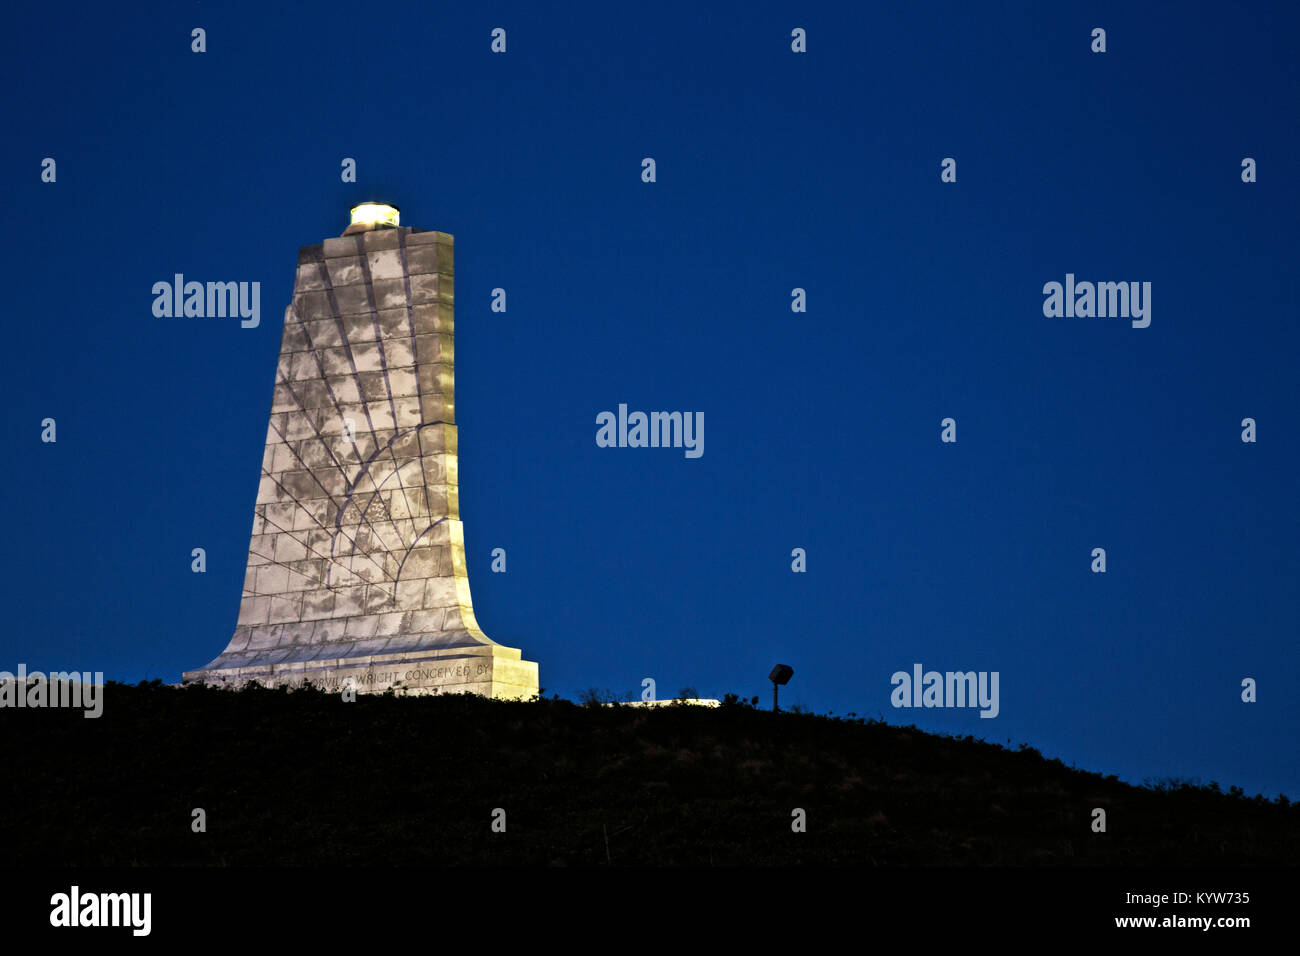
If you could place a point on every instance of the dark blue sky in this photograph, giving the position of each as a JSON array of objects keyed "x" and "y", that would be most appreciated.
[{"x": 775, "y": 170}]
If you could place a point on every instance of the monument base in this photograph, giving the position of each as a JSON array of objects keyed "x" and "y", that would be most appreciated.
[{"x": 489, "y": 670}]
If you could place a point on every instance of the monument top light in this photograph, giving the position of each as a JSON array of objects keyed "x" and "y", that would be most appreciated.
[{"x": 374, "y": 215}]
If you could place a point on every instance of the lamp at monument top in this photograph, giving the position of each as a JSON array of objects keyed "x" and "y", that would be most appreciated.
[{"x": 373, "y": 215}]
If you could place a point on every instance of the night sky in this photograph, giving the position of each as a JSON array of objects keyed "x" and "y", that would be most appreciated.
[{"x": 776, "y": 170}]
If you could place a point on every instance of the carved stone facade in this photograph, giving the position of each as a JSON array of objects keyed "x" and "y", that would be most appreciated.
[{"x": 356, "y": 566}]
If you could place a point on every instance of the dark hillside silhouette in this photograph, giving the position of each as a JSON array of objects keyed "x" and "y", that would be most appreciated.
[{"x": 302, "y": 777}]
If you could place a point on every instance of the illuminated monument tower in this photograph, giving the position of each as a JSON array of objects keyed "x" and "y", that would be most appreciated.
[{"x": 356, "y": 566}]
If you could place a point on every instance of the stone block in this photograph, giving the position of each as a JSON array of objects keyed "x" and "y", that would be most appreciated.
[
  {"x": 434, "y": 468},
  {"x": 352, "y": 300},
  {"x": 385, "y": 264},
  {"x": 308, "y": 278},
  {"x": 318, "y": 604},
  {"x": 330, "y": 631},
  {"x": 285, "y": 608},
  {"x": 344, "y": 270},
  {"x": 268, "y": 490},
  {"x": 272, "y": 579},
  {"x": 300, "y": 633},
  {"x": 240, "y": 641},
  {"x": 350, "y": 601},
  {"x": 424, "y": 289},
  {"x": 426, "y": 260},
  {"x": 377, "y": 239},
  {"x": 425, "y": 620},
  {"x": 292, "y": 338},
  {"x": 390, "y": 295},
  {"x": 254, "y": 610},
  {"x": 366, "y": 357},
  {"x": 264, "y": 637},
  {"x": 409, "y": 413},
  {"x": 432, "y": 317},
  {"x": 394, "y": 323},
  {"x": 313, "y": 306},
  {"x": 312, "y": 393},
  {"x": 344, "y": 390},
  {"x": 406, "y": 445},
  {"x": 361, "y": 627},
  {"x": 275, "y": 428},
  {"x": 373, "y": 385},
  {"x": 381, "y": 597},
  {"x": 380, "y": 416},
  {"x": 410, "y": 592},
  {"x": 290, "y": 547},
  {"x": 399, "y": 353},
  {"x": 324, "y": 334},
  {"x": 439, "y": 590},
  {"x": 342, "y": 246},
  {"x": 304, "y": 365},
  {"x": 336, "y": 361},
  {"x": 434, "y": 377}
]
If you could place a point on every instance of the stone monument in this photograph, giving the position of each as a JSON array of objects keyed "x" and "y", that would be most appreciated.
[{"x": 356, "y": 565}]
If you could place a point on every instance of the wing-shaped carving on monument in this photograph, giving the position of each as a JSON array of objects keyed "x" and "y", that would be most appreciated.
[{"x": 357, "y": 547}]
